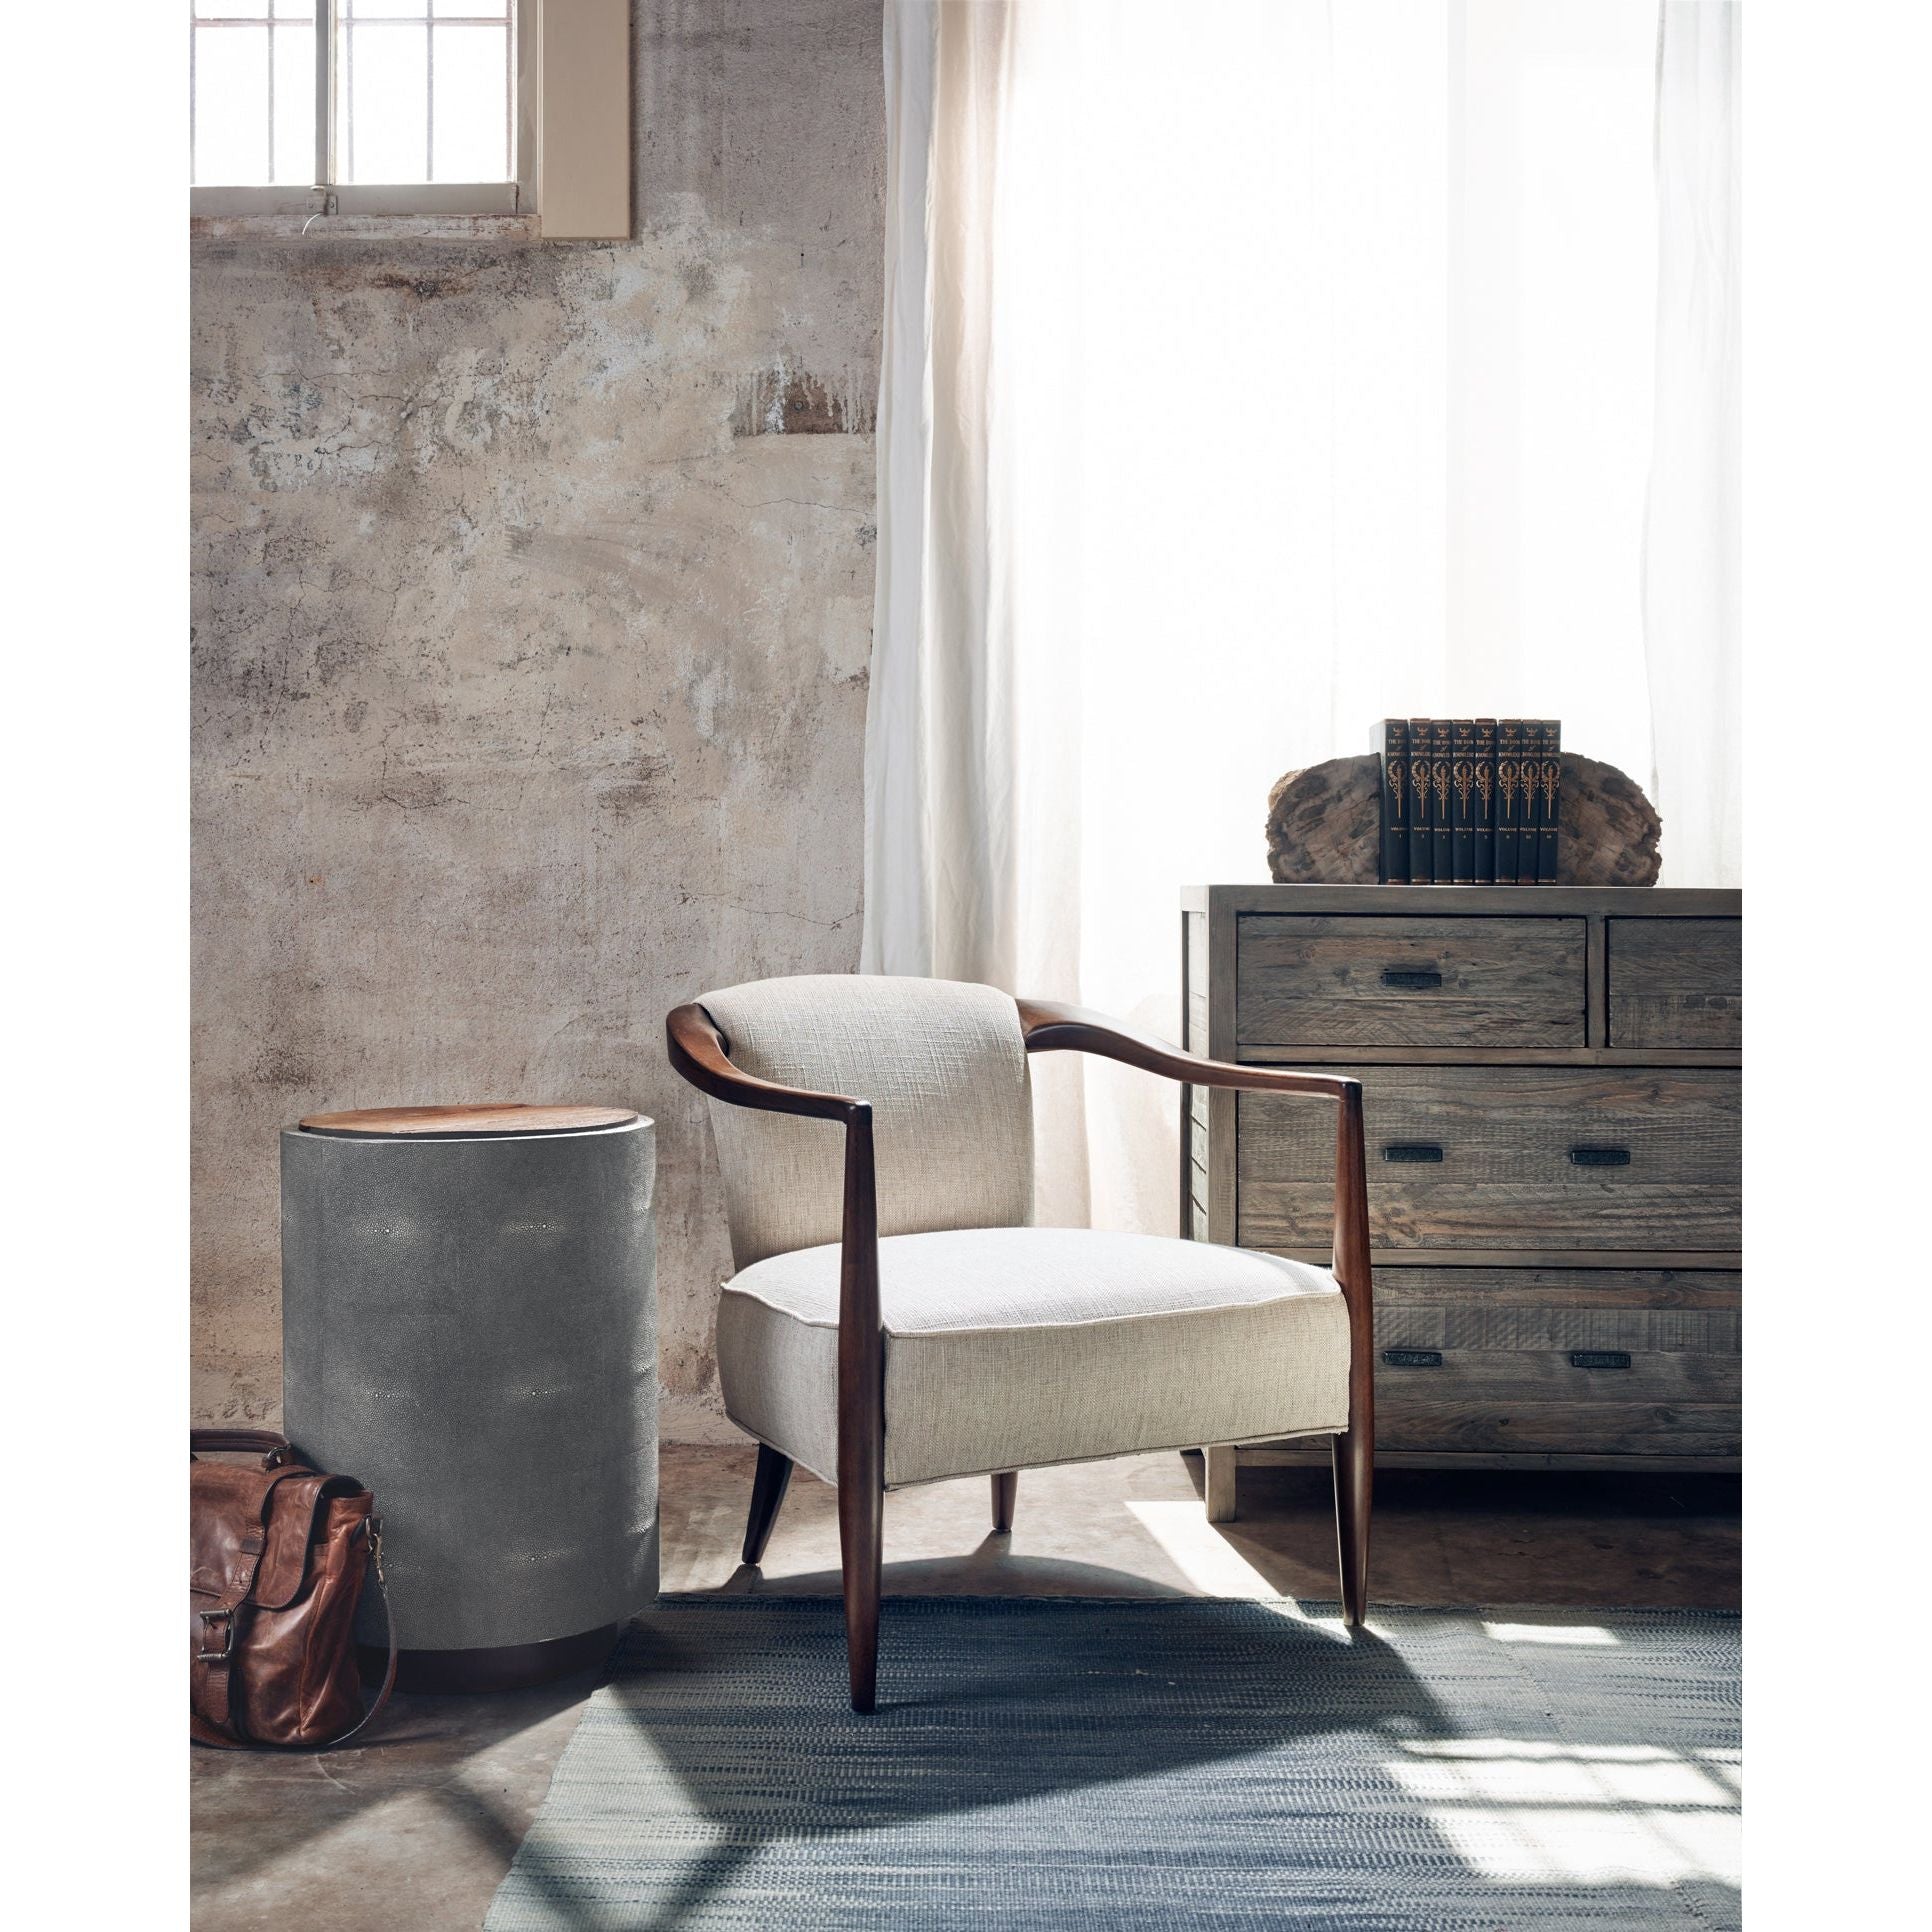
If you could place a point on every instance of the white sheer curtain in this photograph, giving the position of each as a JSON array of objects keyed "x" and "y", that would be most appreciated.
[
  {"x": 1252, "y": 372},
  {"x": 1691, "y": 534}
]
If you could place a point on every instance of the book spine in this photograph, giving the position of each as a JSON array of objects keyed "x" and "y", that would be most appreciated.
[
  {"x": 1422, "y": 867},
  {"x": 1442, "y": 827},
  {"x": 1462, "y": 802},
  {"x": 1549, "y": 822},
  {"x": 1485, "y": 807},
  {"x": 1509, "y": 798},
  {"x": 1530, "y": 815},
  {"x": 1393, "y": 734}
]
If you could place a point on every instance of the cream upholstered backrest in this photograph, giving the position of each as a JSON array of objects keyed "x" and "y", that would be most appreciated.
[{"x": 944, "y": 1066}]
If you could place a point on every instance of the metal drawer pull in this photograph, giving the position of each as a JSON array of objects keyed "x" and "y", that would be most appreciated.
[
  {"x": 1600, "y": 1156},
  {"x": 1414, "y": 1152},
  {"x": 1411, "y": 978},
  {"x": 1413, "y": 1357},
  {"x": 1599, "y": 1358}
]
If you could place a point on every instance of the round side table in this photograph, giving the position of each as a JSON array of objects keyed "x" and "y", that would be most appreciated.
[{"x": 469, "y": 1326}]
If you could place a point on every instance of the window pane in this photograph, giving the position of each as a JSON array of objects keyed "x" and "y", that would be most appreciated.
[
  {"x": 232, "y": 9},
  {"x": 384, "y": 93},
  {"x": 294, "y": 100},
  {"x": 231, "y": 105},
  {"x": 386, "y": 9},
  {"x": 470, "y": 9},
  {"x": 472, "y": 104}
]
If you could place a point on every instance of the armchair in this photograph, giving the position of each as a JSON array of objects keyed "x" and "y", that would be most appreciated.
[{"x": 896, "y": 1319}]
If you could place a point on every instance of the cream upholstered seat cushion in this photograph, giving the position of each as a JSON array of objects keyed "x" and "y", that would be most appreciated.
[
  {"x": 944, "y": 1067},
  {"x": 1009, "y": 1348}
]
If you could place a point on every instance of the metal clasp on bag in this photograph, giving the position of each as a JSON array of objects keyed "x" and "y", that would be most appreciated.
[{"x": 227, "y": 1650}]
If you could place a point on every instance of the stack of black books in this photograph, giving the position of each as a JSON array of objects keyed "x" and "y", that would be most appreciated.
[{"x": 1470, "y": 801}]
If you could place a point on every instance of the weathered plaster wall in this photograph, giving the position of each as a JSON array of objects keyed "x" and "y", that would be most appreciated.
[{"x": 533, "y": 597}]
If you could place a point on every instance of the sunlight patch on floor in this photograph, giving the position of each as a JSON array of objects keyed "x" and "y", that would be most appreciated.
[
  {"x": 1549, "y": 1633},
  {"x": 1198, "y": 1550},
  {"x": 1588, "y": 1814}
]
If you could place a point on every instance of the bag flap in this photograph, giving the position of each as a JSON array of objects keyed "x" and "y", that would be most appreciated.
[
  {"x": 293, "y": 1526},
  {"x": 291, "y": 1523},
  {"x": 249, "y": 1530},
  {"x": 226, "y": 1505}
]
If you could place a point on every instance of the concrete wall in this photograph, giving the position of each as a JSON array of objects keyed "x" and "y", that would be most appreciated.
[{"x": 533, "y": 592}]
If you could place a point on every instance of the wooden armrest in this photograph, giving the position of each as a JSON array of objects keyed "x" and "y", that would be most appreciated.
[
  {"x": 1049, "y": 1025},
  {"x": 699, "y": 1053}
]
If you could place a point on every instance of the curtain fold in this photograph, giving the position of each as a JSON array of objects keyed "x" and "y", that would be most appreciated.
[
  {"x": 1692, "y": 540},
  {"x": 939, "y": 725},
  {"x": 1248, "y": 376}
]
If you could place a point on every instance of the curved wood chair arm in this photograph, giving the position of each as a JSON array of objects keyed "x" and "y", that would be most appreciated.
[
  {"x": 1049, "y": 1026},
  {"x": 700, "y": 1053}
]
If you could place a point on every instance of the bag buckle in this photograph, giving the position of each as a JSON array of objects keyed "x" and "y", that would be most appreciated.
[{"x": 227, "y": 1618}]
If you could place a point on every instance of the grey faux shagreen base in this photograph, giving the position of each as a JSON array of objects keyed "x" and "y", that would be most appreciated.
[{"x": 469, "y": 1326}]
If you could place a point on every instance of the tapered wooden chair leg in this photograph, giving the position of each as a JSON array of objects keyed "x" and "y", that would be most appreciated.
[
  {"x": 768, "y": 1488},
  {"x": 1006, "y": 1490},
  {"x": 1354, "y": 1481},
  {"x": 861, "y": 1540}
]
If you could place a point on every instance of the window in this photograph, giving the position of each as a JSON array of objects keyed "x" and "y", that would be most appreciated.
[
  {"x": 414, "y": 107},
  {"x": 353, "y": 106}
]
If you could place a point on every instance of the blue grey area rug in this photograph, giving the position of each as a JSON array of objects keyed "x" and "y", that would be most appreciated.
[{"x": 1080, "y": 1765}]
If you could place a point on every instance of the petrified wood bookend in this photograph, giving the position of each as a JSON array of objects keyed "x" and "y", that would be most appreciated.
[{"x": 1324, "y": 825}]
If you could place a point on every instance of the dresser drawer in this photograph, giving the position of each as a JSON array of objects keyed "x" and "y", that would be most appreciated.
[
  {"x": 1557, "y": 1362},
  {"x": 1522, "y": 1158},
  {"x": 1306, "y": 980},
  {"x": 1676, "y": 982}
]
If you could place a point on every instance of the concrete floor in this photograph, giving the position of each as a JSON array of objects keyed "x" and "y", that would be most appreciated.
[{"x": 418, "y": 1827}]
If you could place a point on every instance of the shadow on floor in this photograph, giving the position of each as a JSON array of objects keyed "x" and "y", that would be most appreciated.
[
  {"x": 259, "y": 1809},
  {"x": 431, "y": 1809},
  {"x": 985, "y": 1702},
  {"x": 992, "y": 1570},
  {"x": 1604, "y": 1540},
  {"x": 1116, "y": 1762}
]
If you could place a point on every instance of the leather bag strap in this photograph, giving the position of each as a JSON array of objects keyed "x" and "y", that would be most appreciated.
[
  {"x": 271, "y": 1447},
  {"x": 389, "y": 1631}
]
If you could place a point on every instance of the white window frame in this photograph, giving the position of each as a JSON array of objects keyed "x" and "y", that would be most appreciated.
[{"x": 572, "y": 135}]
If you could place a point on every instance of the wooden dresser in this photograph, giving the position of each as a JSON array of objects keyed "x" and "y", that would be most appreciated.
[{"x": 1551, "y": 1092}]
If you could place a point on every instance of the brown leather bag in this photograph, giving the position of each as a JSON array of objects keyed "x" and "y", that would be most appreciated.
[{"x": 277, "y": 1555}]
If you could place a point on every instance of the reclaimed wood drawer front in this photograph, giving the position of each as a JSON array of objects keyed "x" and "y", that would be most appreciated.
[
  {"x": 1676, "y": 982},
  {"x": 1557, "y": 1361},
  {"x": 1308, "y": 980},
  {"x": 1533, "y": 1158}
]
